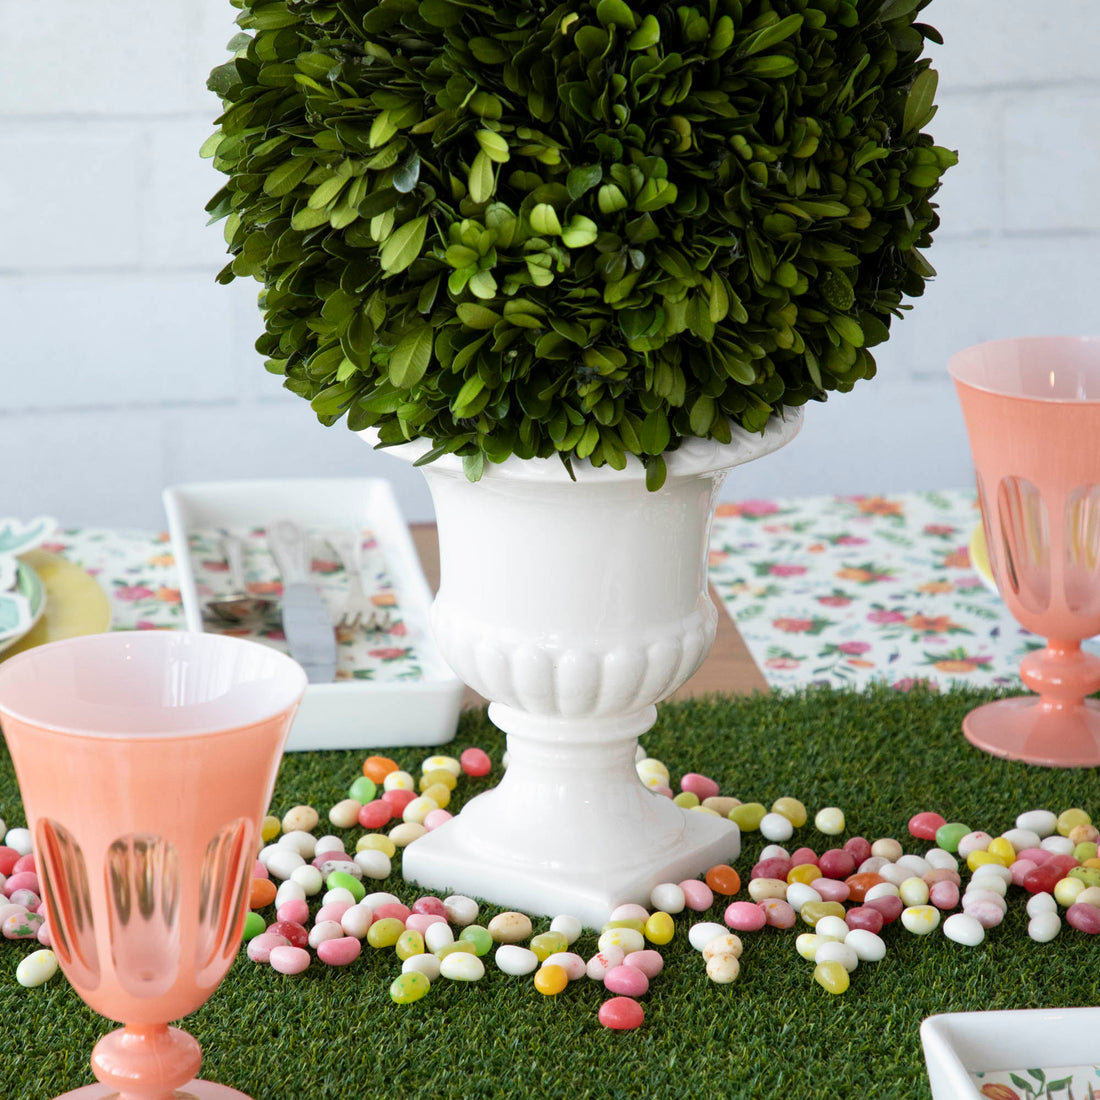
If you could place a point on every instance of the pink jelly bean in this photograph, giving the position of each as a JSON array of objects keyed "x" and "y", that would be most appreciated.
[
  {"x": 744, "y": 916},
  {"x": 431, "y": 905},
  {"x": 28, "y": 899},
  {"x": 925, "y": 825},
  {"x": 1038, "y": 856},
  {"x": 942, "y": 874},
  {"x": 295, "y": 910},
  {"x": 321, "y": 858},
  {"x": 21, "y": 880},
  {"x": 260, "y": 871},
  {"x": 866, "y": 917},
  {"x": 25, "y": 863},
  {"x": 9, "y": 857},
  {"x": 697, "y": 895},
  {"x": 776, "y": 867},
  {"x": 22, "y": 926},
  {"x": 392, "y": 909},
  {"x": 1084, "y": 917},
  {"x": 837, "y": 863},
  {"x": 621, "y": 1014},
  {"x": 944, "y": 894},
  {"x": 260, "y": 947},
  {"x": 800, "y": 857},
  {"x": 8, "y": 908},
  {"x": 603, "y": 961},
  {"x": 475, "y": 762},
  {"x": 295, "y": 933},
  {"x": 890, "y": 907},
  {"x": 339, "y": 952},
  {"x": 628, "y": 981},
  {"x": 289, "y": 960},
  {"x": 44, "y": 936},
  {"x": 985, "y": 913},
  {"x": 832, "y": 889},
  {"x": 398, "y": 799},
  {"x": 859, "y": 846},
  {"x": 1064, "y": 863},
  {"x": 700, "y": 785},
  {"x": 871, "y": 865},
  {"x": 421, "y": 922},
  {"x": 375, "y": 814},
  {"x": 649, "y": 962},
  {"x": 434, "y": 818},
  {"x": 1019, "y": 870},
  {"x": 976, "y": 841},
  {"x": 333, "y": 910},
  {"x": 778, "y": 913}
]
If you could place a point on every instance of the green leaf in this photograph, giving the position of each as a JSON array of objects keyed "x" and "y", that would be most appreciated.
[
  {"x": 411, "y": 357},
  {"x": 615, "y": 12},
  {"x": 648, "y": 34},
  {"x": 919, "y": 102},
  {"x": 480, "y": 182},
  {"x": 655, "y": 473},
  {"x": 771, "y": 36},
  {"x": 403, "y": 245},
  {"x": 771, "y": 66},
  {"x": 580, "y": 231},
  {"x": 473, "y": 466},
  {"x": 493, "y": 146},
  {"x": 439, "y": 13},
  {"x": 476, "y": 317},
  {"x": 848, "y": 329},
  {"x": 702, "y": 414},
  {"x": 283, "y": 179},
  {"x": 583, "y": 179},
  {"x": 655, "y": 434},
  {"x": 471, "y": 390},
  {"x": 327, "y": 192}
]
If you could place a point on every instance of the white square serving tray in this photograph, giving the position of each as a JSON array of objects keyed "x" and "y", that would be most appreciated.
[
  {"x": 418, "y": 707},
  {"x": 958, "y": 1045}
]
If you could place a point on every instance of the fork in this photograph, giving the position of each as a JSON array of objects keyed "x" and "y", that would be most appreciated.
[{"x": 357, "y": 603}]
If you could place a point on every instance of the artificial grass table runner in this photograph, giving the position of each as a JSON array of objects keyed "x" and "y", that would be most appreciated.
[{"x": 880, "y": 756}]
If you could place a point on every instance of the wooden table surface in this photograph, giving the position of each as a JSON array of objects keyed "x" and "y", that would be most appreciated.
[{"x": 728, "y": 667}]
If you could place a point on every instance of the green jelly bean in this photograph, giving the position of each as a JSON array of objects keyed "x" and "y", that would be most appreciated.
[
  {"x": 1087, "y": 849},
  {"x": 450, "y": 948},
  {"x": 549, "y": 943},
  {"x": 254, "y": 924},
  {"x": 747, "y": 816},
  {"x": 480, "y": 937},
  {"x": 348, "y": 882},
  {"x": 409, "y": 987},
  {"x": 687, "y": 800},
  {"x": 362, "y": 790},
  {"x": 949, "y": 835},
  {"x": 1090, "y": 876}
]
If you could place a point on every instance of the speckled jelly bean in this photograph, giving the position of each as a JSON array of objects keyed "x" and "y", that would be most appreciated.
[
  {"x": 778, "y": 913},
  {"x": 36, "y": 969},
  {"x": 546, "y": 944},
  {"x": 832, "y": 977},
  {"x": 1085, "y": 918},
  {"x": 603, "y": 961},
  {"x": 829, "y": 821},
  {"x": 483, "y": 940},
  {"x": 744, "y": 916},
  {"x": 698, "y": 896},
  {"x": 1044, "y": 927},
  {"x": 723, "y": 969},
  {"x": 28, "y": 899},
  {"x": 660, "y": 928},
  {"x": 300, "y": 819},
  {"x": 409, "y": 986},
  {"x": 510, "y": 927},
  {"x": 254, "y": 925},
  {"x": 409, "y": 943},
  {"x": 761, "y": 889},
  {"x": 24, "y": 926},
  {"x": 621, "y": 1014}
]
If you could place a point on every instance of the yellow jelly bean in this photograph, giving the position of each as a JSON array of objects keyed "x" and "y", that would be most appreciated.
[
  {"x": 409, "y": 943},
  {"x": 977, "y": 859},
  {"x": 439, "y": 793},
  {"x": 1068, "y": 820},
  {"x": 705, "y": 810},
  {"x": 438, "y": 775},
  {"x": 551, "y": 980},
  {"x": 747, "y": 816},
  {"x": 804, "y": 872},
  {"x": 548, "y": 943},
  {"x": 1092, "y": 861},
  {"x": 378, "y": 841},
  {"x": 271, "y": 827},
  {"x": 813, "y": 911},
  {"x": 920, "y": 919},
  {"x": 1066, "y": 891},
  {"x": 442, "y": 763},
  {"x": 1003, "y": 848},
  {"x": 1086, "y": 850},
  {"x": 660, "y": 928},
  {"x": 791, "y": 809},
  {"x": 626, "y": 922},
  {"x": 807, "y": 944},
  {"x": 450, "y": 948},
  {"x": 832, "y": 977},
  {"x": 385, "y": 932},
  {"x": 687, "y": 800}
]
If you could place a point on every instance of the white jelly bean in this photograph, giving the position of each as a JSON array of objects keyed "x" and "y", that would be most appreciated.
[
  {"x": 914, "y": 891},
  {"x": 963, "y": 928},
  {"x": 991, "y": 884},
  {"x": 289, "y": 891},
  {"x": 776, "y": 827},
  {"x": 629, "y": 911},
  {"x": 1022, "y": 838},
  {"x": 979, "y": 896},
  {"x": 1041, "y": 903},
  {"x": 1043, "y": 822},
  {"x": 774, "y": 851},
  {"x": 667, "y": 897},
  {"x": 699, "y": 935},
  {"x": 992, "y": 871},
  {"x": 325, "y": 930},
  {"x": 461, "y": 966},
  {"x": 868, "y": 946},
  {"x": 832, "y": 928},
  {"x": 920, "y": 919},
  {"x": 799, "y": 893},
  {"x": 424, "y": 963},
  {"x": 330, "y": 843},
  {"x": 836, "y": 951},
  {"x": 437, "y": 936},
  {"x": 808, "y": 943},
  {"x": 3, "y": 826},
  {"x": 36, "y": 969},
  {"x": 338, "y": 893},
  {"x": 882, "y": 890},
  {"x": 283, "y": 863},
  {"x": 1059, "y": 845},
  {"x": 916, "y": 865},
  {"x": 298, "y": 840},
  {"x": 513, "y": 959},
  {"x": 373, "y": 863},
  {"x": 1043, "y": 927},
  {"x": 570, "y": 962},
  {"x": 629, "y": 939},
  {"x": 829, "y": 821},
  {"x": 20, "y": 839},
  {"x": 380, "y": 897},
  {"x": 308, "y": 877},
  {"x": 357, "y": 920},
  {"x": 568, "y": 925},
  {"x": 871, "y": 865},
  {"x": 941, "y": 860},
  {"x": 891, "y": 872}
]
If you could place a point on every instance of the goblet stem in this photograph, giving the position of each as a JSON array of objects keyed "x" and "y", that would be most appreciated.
[
  {"x": 1062, "y": 675},
  {"x": 146, "y": 1062}
]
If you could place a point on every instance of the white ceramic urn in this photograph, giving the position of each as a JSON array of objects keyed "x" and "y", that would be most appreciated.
[{"x": 576, "y": 606}]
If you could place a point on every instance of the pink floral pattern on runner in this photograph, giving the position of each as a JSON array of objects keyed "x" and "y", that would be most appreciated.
[{"x": 848, "y": 590}]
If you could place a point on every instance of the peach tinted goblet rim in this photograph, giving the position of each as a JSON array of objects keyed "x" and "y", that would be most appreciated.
[
  {"x": 1038, "y": 356},
  {"x": 281, "y": 679}
]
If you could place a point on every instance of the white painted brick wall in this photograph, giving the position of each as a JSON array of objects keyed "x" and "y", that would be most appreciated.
[{"x": 125, "y": 367}]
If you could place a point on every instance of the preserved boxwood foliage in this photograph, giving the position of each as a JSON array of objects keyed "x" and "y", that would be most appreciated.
[{"x": 589, "y": 228}]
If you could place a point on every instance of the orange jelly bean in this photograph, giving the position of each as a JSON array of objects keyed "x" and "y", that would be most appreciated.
[
  {"x": 376, "y": 768},
  {"x": 260, "y": 893},
  {"x": 859, "y": 883},
  {"x": 723, "y": 879}
]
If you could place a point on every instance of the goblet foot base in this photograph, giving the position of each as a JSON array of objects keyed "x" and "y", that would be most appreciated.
[
  {"x": 1025, "y": 728},
  {"x": 452, "y": 858},
  {"x": 195, "y": 1090}
]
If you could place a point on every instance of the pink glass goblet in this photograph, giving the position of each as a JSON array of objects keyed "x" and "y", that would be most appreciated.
[
  {"x": 1032, "y": 411},
  {"x": 146, "y": 761}
]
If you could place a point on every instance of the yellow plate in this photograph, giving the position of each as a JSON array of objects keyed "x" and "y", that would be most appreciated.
[
  {"x": 979, "y": 557},
  {"x": 75, "y": 604}
]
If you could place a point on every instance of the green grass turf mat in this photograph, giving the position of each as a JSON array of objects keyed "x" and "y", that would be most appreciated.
[{"x": 880, "y": 756}]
